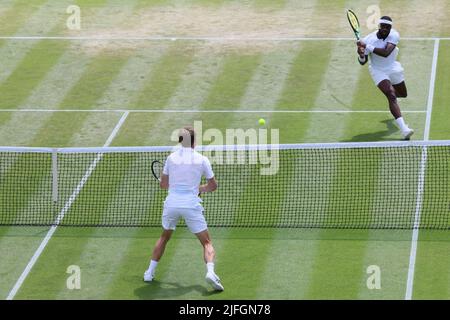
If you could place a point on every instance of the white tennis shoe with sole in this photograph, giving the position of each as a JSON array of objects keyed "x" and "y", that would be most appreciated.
[
  {"x": 407, "y": 133},
  {"x": 214, "y": 281},
  {"x": 148, "y": 277}
]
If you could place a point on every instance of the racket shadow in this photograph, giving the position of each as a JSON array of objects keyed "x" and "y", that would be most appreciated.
[{"x": 169, "y": 290}]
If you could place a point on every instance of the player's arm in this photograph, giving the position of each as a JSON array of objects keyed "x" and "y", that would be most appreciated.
[
  {"x": 164, "y": 182},
  {"x": 382, "y": 52},
  {"x": 210, "y": 186}
]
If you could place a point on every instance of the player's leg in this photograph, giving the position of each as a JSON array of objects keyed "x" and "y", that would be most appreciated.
[
  {"x": 400, "y": 90},
  {"x": 195, "y": 220},
  {"x": 157, "y": 253},
  {"x": 398, "y": 80},
  {"x": 160, "y": 246},
  {"x": 169, "y": 221},
  {"x": 388, "y": 90},
  {"x": 209, "y": 255},
  {"x": 208, "y": 250}
]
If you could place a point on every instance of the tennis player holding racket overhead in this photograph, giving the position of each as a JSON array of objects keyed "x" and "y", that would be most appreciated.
[
  {"x": 182, "y": 175},
  {"x": 386, "y": 72}
]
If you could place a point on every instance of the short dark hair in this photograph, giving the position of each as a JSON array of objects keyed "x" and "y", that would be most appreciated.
[
  {"x": 386, "y": 18},
  {"x": 184, "y": 132}
]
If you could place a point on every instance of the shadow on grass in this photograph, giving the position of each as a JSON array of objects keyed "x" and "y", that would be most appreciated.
[
  {"x": 169, "y": 290},
  {"x": 391, "y": 128}
]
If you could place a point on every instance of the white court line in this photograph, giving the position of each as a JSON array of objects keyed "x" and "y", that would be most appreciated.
[
  {"x": 421, "y": 179},
  {"x": 193, "y": 38},
  {"x": 60, "y": 216},
  {"x": 205, "y": 111}
]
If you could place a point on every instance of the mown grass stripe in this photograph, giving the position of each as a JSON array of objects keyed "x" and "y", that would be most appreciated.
[
  {"x": 16, "y": 245},
  {"x": 267, "y": 5},
  {"x": 269, "y": 78},
  {"x": 49, "y": 272},
  {"x": 132, "y": 78},
  {"x": 230, "y": 85},
  {"x": 136, "y": 261},
  {"x": 18, "y": 129},
  {"x": 165, "y": 78},
  {"x": 388, "y": 250},
  {"x": 416, "y": 58},
  {"x": 28, "y": 74},
  {"x": 98, "y": 76},
  {"x": 337, "y": 272},
  {"x": 155, "y": 129},
  {"x": 144, "y": 4},
  {"x": 305, "y": 77},
  {"x": 104, "y": 16},
  {"x": 336, "y": 92},
  {"x": 15, "y": 14},
  {"x": 439, "y": 128},
  {"x": 197, "y": 81},
  {"x": 12, "y": 51},
  {"x": 432, "y": 276},
  {"x": 301, "y": 89},
  {"x": 50, "y": 91},
  {"x": 100, "y": 72},
  {"x": 91, "y": 3},
  {"x": 58, "y": 81}
]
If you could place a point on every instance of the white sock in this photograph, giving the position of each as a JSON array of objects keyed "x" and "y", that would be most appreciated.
[
  {"x": 152, "y": 266},
  {"x": 401, "y": 123},
  {"x": 210, "y": 267}
]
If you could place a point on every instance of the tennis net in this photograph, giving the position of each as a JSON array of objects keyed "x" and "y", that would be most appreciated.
[{"x": 395, "y": 185}]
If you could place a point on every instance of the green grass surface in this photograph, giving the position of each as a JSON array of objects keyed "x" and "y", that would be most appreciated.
[{"x": 194, "y": 76}]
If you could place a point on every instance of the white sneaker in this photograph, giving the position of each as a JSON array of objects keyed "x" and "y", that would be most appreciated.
[
  {"x": 407, "y": 133},
  {"x": 148, "y": 276},
  {"x": 214, "y": 281}
]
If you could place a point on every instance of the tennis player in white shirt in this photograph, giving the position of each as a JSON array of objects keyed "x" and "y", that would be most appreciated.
[
  {"x": 182, "y": 175},
  {"x": 386, "y": 71}
]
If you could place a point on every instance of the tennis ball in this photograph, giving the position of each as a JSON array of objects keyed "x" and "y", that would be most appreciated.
[{"x": 262, "y": 121}]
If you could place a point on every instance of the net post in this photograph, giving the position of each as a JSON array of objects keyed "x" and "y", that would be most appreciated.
[{"x": 55, "y": 175}]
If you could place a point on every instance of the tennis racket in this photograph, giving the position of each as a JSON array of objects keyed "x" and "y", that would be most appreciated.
[
  {"x": 157, "y": 168},
  {"x": 354, "y": 23}
]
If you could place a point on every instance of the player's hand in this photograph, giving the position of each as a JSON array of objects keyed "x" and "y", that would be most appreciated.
[
  {"x": 360, "y": 43},
  {"x": 361, "y": 51}
]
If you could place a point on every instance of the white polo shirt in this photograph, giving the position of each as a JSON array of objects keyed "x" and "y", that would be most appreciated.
[
  {"x": 379, "y": 62},
  {"x": 185, "y": 168}
]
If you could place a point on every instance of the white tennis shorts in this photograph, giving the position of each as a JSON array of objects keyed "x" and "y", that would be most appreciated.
[
  {"x": 194, "y": 218},
  {"x": 394, "y": 75}
]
